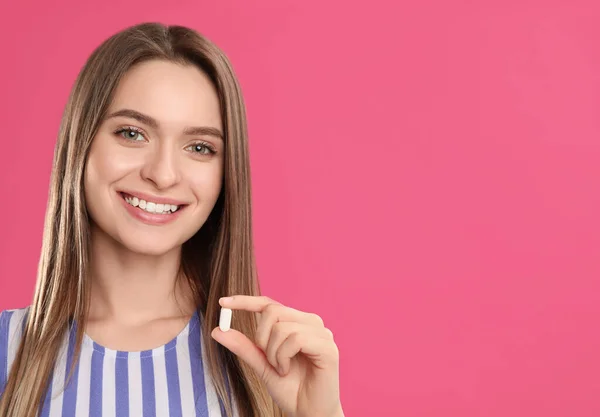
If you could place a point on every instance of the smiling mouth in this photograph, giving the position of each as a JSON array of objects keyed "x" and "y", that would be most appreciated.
[{"x": 150, "y": 206}]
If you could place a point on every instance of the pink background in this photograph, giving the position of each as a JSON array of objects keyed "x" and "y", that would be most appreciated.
[{"x": 425, "y": 175}]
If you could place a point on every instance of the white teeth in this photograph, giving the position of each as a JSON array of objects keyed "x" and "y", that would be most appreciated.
[{"x": 151, "y": 207}]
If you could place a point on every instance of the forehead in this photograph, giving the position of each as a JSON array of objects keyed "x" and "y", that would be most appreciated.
[{"x": 173, "y": 94}]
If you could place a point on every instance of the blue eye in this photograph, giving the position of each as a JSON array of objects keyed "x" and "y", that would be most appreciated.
[
  {"x": 202, "y": 148},
  {"x": 130, "y": 133},
  {"x": 134, "y": 134}
]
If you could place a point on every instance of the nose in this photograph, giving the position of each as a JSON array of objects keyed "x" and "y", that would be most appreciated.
[{"x": 161, "y": 168}]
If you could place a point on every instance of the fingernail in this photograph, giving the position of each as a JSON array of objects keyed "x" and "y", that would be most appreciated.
[{"x": 226, "y": 299}]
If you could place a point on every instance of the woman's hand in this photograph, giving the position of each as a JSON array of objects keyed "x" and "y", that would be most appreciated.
[{"x": 294, "y": 354}]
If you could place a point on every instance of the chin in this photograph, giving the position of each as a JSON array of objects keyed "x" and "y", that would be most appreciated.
[{"x": 150, "y": 247}]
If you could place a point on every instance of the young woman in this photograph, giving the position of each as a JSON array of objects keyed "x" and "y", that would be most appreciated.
[{"x": 147, "y": 235}]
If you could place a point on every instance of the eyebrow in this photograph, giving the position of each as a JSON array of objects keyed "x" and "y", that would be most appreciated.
[{"x": 153, "y": 123}]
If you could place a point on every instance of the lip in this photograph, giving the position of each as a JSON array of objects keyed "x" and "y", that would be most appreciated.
[
  {"x": 154, "y": 199},
  {"x": 152, "y": 219}
]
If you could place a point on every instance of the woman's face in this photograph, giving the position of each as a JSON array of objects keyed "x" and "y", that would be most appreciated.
[{"x": 155, "y": 167}]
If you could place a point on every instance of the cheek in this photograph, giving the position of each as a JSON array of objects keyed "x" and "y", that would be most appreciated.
[
  {"x": 107, "y": 163},
  {"x": 91, "y": 176},
  {"x": 206, "y": 182}
]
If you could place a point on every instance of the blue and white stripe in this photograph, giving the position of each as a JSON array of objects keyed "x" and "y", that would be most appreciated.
[{"x": 169, "y": 381}]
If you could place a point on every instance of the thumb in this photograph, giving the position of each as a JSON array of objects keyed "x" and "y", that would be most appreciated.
[{"x": 245, "y": 349}]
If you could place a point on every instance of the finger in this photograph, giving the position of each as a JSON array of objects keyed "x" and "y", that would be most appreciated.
[
  {"x": 321, "y": 351},
  {"x": 246, "y": 302},
  {"x": 276, "y": 313},
  {"x": 243, "y": 347},
  {"x": 258, "y": 304},
  {"x": 280, "y": 332}
]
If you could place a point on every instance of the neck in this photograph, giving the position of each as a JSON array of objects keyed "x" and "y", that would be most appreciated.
[{"x": 132, "y": 287}]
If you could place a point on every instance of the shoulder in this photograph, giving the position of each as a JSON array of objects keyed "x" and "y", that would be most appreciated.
[
  {"x": 8, "y": 318},
  {"x": 11, "y": 329}
]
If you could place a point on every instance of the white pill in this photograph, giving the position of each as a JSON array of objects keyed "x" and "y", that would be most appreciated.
[{"x": 225, "y": 319}]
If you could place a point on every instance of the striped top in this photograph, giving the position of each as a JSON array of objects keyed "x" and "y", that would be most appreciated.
[{"x": 167, "y": 381}]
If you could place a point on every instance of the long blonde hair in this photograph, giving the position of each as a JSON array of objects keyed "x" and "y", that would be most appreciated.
[{"x": 217, "y": 261}]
